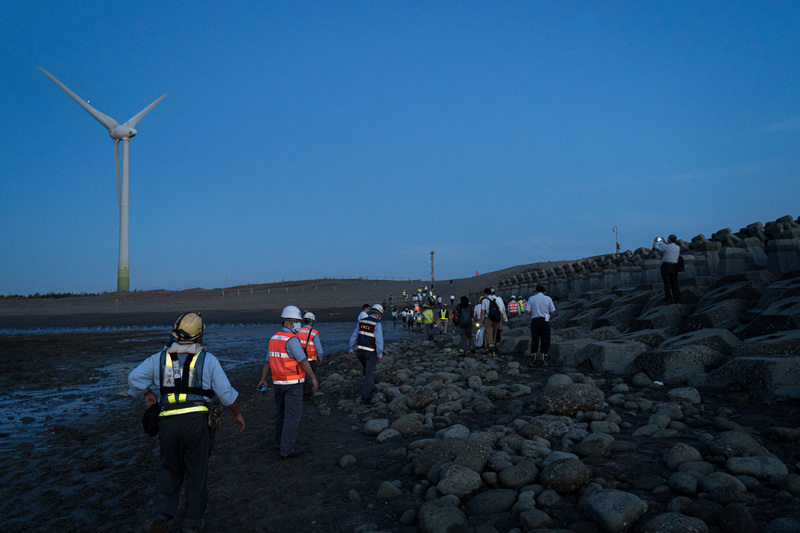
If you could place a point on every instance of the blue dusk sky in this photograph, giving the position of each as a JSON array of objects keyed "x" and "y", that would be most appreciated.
[{"x": 352, "y": 138}]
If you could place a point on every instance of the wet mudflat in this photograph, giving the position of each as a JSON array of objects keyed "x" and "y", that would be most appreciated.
[{"x": 74, "y": 457}]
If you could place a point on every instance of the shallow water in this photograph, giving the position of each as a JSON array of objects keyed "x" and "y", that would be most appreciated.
[{"x": 27, "y": 413}]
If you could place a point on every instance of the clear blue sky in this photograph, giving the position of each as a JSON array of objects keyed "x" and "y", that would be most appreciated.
[{"x": 311, "y": 139}]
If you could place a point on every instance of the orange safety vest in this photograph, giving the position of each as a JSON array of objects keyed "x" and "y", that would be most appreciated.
[
  {"x": 307, "y": 336},
  {"x": 513, "y": 307},
  {"x": 285, "y": 370}
]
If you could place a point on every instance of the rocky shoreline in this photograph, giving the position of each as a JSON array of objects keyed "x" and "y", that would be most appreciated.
[{"x": 490, "y": 444}]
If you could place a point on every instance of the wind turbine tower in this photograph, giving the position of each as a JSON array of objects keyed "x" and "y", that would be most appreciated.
[{"x": 124, "y": 133}]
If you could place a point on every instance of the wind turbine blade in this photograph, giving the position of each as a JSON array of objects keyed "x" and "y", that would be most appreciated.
[
  {"x": 116, "y": 167},
  {"x": 105, "y": 120},
  {"x": 132, "y": 122}
]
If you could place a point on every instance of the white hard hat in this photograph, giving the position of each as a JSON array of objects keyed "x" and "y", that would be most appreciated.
[
  {"x": 291, "y": 311},
  {"x": 309, "y": 316},
  {"x": 378, "y": 308}
]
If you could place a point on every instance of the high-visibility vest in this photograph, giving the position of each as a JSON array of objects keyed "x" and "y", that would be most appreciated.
[
  {"x": 285, "y": 370},
  {"x": 306, "y": 337},
  {"x": 513, "y": 307},
  {"x": 443, "y": 314},
  {"x": 366, "y": 334},
  {"x": 182, "y": 388},
  {"x": 427, "y": 316}
]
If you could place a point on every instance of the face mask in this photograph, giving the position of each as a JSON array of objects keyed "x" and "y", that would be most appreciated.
[{"x": 296, "y": 326}]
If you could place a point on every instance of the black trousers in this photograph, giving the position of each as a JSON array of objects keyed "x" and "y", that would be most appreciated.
[
  {"x": 184, "y": 448},
  {"x": 669, "y": 275},
  {"x": 540, "y": 331}
]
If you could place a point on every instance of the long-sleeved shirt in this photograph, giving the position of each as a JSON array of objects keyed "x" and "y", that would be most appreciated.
[
  {"x": 148, "y": 373},
  {"x": 293, "y": 347},
  {"x": 670, "y": 250},
  {"x": 378, "y": 339}
]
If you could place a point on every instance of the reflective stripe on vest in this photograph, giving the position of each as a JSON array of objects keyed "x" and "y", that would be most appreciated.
[
  {"x": 443, "y": 314},
  {"x": 285, "y": 370},
  {"x": 171, "y": 373},
  {"x": 366, "y": 334},
  {"x": 306, "y": 337},
  {"x": 513, "y": 307}
]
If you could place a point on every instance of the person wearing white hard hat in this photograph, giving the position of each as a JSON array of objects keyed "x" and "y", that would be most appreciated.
[
  {"x": 290, "y": 369},
  {"x": 367, "y": 339},
  {"x": 186, "y": 377},
  {"x": 312, "y": 347}
]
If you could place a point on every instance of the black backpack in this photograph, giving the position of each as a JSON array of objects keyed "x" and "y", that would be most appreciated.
[
  {"x": 465, "y": 316},
  {"x": 494, "y": 311}
]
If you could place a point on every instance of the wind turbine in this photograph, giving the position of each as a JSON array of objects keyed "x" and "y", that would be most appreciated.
[{"x": 119, "y": 133}]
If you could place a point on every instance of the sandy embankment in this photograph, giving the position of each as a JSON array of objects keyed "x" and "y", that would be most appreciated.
[{"x": 331, "y": 300}]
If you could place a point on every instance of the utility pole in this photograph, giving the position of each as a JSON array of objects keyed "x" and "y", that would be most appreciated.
[
  {"x": 432, "y": 270},
  {"x": 616, "y": 237}
]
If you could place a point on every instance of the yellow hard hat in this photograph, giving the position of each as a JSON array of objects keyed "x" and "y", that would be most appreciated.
[{"x": 189, "y": 326}]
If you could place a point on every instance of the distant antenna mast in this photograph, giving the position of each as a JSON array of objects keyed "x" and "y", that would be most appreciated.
[
  {"x": 432, "y": 269},
  {"x": 616, "y": 237}
]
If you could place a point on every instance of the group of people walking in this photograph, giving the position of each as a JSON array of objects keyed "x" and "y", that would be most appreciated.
[
  {"x": 192, "y": 389},
  {"x": 187, "y": 377}
]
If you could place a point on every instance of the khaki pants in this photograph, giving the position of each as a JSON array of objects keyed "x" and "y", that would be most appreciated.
[{"x": 490, "y": 331}]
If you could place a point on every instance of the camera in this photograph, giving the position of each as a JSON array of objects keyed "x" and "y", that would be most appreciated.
[{"x": 659, "y": 239}]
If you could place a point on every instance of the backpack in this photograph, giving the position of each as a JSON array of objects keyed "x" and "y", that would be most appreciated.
[
  {"x": 494, "y": 311},
  {"x": 465, "y": 316}
]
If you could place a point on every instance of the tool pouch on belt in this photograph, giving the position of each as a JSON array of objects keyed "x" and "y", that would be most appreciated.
[
  {"x": 214, "y": 415},
  {"x": 150, "y": 419}
]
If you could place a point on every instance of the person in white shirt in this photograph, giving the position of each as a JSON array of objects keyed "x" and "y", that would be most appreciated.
[
  {"x": 492, "y": 324},
  {"x": 541, "y": 308},
  {"x": 669, "y": 267}
]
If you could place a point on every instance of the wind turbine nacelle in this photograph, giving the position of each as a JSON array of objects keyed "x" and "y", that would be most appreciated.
[{"x": 122, "y": 132}]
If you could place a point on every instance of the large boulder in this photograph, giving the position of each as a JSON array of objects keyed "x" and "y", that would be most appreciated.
[
  {"x": 614, "y": 510},
  {"x": 724, "y": 314},
  {"x": 460, "y": 481},
  {"x": 781, "y": 343},
  {"x": 615, "y": 356},
  {"x": 668, "y": 317},
  {"x": 773, "y": 379},
  {"x": 440, "y": 516},
  {"x": 782, "y": 315},
  {"x": 720, "y": 340},
  {"x": 680, "y": 366},
  {"x": 419, "y": 398},
  {"x": 569, "y": 399},
  {"x": 565, "y": 476},
  {"x": 491, "y": 502}
]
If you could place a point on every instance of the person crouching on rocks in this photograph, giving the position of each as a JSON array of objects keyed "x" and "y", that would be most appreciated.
[
  {"x": 368, "y": 340},
  {"x": 187, "y": 376}
]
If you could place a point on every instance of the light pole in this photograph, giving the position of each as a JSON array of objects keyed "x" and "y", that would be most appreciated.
[
  {"x": 616, "y": 237},
  {"x": 432, "y": 270}
]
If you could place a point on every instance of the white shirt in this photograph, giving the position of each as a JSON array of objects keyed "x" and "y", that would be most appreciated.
[
  {"x": 671, "y": 251},
  {"x": 541, "y": 305},
  {"x": 485, "y": 306}
]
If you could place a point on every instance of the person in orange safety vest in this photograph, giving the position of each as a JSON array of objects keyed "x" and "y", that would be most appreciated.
[
  {"x": 309, "y": 340},
  {"x": 290, "y": 369}
]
